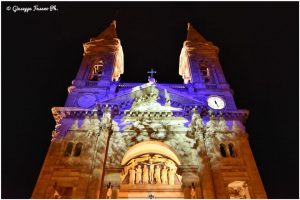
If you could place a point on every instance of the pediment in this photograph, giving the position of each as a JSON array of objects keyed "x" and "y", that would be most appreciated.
[{"x": 177, "y": 98}]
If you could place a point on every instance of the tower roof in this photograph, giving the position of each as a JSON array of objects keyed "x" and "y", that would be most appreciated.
[
  {"x": 109, "y": 33},
  {"x": 193, "y": 35}
]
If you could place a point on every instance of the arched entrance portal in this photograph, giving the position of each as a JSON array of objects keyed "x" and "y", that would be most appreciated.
[
  {"x": 152, "y": 147},
  {"x": 150, "y": 170}
]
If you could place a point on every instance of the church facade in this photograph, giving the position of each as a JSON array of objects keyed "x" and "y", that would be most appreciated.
[{"x": 149, "y": 140}]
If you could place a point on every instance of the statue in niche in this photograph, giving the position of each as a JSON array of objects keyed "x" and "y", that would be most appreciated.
[
  {"x": 138, "y": 174},
  {"x": 109, "y": 191},
  {"x": 97, "y": 70},
  {"x": 106, "y": 119},
  {"x": 193, "y": 191},
  {"x": 171, "y": 174},
  {"x": 164, "y": 175},
  {"x": 145, "y": 175},
  {"x": 168, "y": 100},
  {"x": 131, "y": 176},
  {"x": 151, "y": 171},
  {"x": 157, "y": 174},
  {"x": 56, "y": 194}
]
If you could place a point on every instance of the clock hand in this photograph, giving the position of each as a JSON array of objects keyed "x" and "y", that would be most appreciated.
[{"x": 216, "y": 103}]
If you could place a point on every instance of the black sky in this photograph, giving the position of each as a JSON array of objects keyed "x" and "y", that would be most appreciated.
[{"x": 42, "y": 51}]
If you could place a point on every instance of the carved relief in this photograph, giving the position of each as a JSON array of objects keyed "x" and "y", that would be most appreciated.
[{"x": 156, "y": 170}]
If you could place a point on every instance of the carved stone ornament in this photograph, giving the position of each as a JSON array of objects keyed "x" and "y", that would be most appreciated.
[
  {"x": 238, "y": 190},
  {"x": 58, "y": 117},
  {"x": 150, "y": 169}
]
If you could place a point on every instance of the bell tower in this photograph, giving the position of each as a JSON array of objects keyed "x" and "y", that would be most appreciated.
[
  {"x": 101, "y": 68},
  {"x": 199, "y": 62},
  {"x": 229, "y": 169},
  {"x": 73, "y": 167}
]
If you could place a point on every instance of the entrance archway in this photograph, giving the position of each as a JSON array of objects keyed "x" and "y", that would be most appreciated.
[
  {"x": 152, "y": 147},
  {"x": 150, "y": 170}
]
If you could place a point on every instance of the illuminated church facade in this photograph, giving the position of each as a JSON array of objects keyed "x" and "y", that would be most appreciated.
[{"x": 149, "y": 140}]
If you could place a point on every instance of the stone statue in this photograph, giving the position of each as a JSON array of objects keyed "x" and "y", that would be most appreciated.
[
  {"x": 138, "y": 174},
  {"x": 193, "y": 191},
  {"x": 109, "y": 191},
  {"x": 151, "y": 172},
  {"x": 157, "y": 174},
  {"x": 131, "y": 165},
  {"x": 167, "y": 96},
  {"x": 169, "y": 163},
  {"x": 145, "y": 175},
  {"x": 106, "y": 119},
  {"x": 171, "y": 174},
  {"x": 131, "y": 176},
  {"x": 164, "y": 175},
  {"x": 56, "y": 195}
]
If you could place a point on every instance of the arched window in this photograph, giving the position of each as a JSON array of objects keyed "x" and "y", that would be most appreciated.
[
  {"x": 223, "y": 150},
  {"x": 205, "y": 71},
  {"x": 78, "y": 149},
  {"x": 97, "y": 70},
  {"x": 69, "y": 149},
  {"x": 231, "y": 150}
]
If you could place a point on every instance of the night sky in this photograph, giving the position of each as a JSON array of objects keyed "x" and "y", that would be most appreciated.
[{"x": 42, "y": 52}]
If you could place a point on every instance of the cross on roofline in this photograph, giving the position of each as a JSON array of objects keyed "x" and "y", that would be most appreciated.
[{"x": 151, "y": 72}]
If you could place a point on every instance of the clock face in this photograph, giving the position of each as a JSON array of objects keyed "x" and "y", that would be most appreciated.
[
  {"x": 216, "y": 102},
  {"x": 86, "y": 101}
]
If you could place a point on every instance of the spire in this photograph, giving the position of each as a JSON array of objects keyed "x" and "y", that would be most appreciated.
[
  {"x": 193, "y": 35},
  {"x": 109, "y": 32}
]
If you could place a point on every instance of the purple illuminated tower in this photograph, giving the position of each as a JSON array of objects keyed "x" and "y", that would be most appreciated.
[{"x": 149, "y": 140}]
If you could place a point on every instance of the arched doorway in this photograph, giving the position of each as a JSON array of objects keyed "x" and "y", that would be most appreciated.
[
  {"x": 150, "y": 170},
  {"x": 150, "y": 147}
]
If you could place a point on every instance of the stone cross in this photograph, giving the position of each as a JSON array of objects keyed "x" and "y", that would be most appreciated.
[{"x": 151, "y": 72}]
